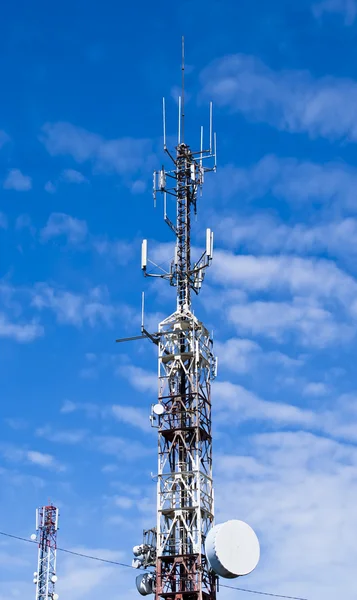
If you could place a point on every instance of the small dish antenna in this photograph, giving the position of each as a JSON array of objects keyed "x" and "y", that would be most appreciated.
[
  {"x": 55, "y": 596},
  {"x": 145, "y": 584},
  {"x": 232, "y": 549},
  {"x": 33, "y": 537},
  {"x": 158, "y": 409}
]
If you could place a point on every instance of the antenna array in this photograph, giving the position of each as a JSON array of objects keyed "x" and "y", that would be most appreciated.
[{"x": 183, "y": 182}]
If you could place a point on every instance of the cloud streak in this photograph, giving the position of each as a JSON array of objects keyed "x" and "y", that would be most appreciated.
[
  {"x": 125, "y": 156},
  {"x": 346, "y": 8},
  {"x": 290, "y": 180},
  {"x": 289, "y": 100},
  {"x": 60, "y": 224},
  {"x": 19, "y": 332},
  {"x": 18, "y": 182},
  {"x": 265, "y": 234}
]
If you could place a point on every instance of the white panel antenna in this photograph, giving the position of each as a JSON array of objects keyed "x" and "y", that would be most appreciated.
[
  {"x": 144, "y": 254},
  {"x": 162, "y": 180},
  {"x": 209, "y": 244}
]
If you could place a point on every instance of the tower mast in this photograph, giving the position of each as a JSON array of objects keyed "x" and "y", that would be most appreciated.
[
  {"x": 184, "y": 553},
  {"x": 186, "y": 367},
  {"x": 46, "y": 528}
]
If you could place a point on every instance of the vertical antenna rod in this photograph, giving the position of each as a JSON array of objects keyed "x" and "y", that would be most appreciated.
[
  {"x": 45, "y": 577},
  {"x": 183, "y": 90}
]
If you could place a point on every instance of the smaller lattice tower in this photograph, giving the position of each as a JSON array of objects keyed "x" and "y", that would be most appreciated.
[{"x": 46, "y": 534}]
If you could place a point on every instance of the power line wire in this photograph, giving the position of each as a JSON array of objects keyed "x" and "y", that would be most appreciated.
[
  {"x": 97, "y": 558},
  {"x": 261, "y": 593},
  {"x": 120, "y": 564}
]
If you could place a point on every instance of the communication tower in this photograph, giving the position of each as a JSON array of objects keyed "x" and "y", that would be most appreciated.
[
  {"x": 46, "y": 534},
  {"x": 182, "y": 555}
]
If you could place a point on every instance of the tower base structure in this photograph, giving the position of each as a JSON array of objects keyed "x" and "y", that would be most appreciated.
[{"x": 184, "y": 489}]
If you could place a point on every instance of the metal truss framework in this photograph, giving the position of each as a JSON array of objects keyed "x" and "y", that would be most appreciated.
[
  {"x": 186, "y": 367},
  {"x": 185, "y": 490},
  {"x": 46, "y": 526}
]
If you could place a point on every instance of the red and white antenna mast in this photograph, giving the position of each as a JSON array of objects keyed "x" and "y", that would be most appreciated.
[
  {"x": 183, "y": 554},
  {"x": 46, "y": 533}
]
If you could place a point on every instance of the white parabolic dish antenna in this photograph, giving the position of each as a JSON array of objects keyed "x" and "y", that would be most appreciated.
[
  {"x": 232, "y": 549},
  {"x": 158, "y": 409}
]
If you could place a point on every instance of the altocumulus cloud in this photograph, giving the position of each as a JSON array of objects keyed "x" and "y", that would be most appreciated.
[
  {"x": 289, "y": 100},
  {"x": 20, "y": 332},
  {"x": 15, "y": 180},
  {"x": 121, "y": 155},
  {"x": 288, "y": 179},
  {"x": 346, "y": 8},
  {"x": 60, "y": 224},
  {"x": 264, "y": 233},
  {"x": 299, "y": 492}
]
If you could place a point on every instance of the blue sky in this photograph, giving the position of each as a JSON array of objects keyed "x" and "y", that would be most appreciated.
[{"x": 80, "y": 133}]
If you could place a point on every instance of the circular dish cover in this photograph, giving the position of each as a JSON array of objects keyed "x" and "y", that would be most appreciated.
[{"x": 232, "y": 549}]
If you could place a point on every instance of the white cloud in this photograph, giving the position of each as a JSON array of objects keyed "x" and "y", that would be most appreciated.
[
  {"x": 303, "y": 277},
  {"x": 91, "y": 410},
  {"x": 314, "y": 325},
  {"x": 68, "y": 436},
  {"x": 234, "y": 400},
  {"x": 123, "y": 502},
  {"x": 284, "y": 294},
  {"x": 121, "y": 448},
  {"x": 73, "y": 176},
  {"x": 243, "y": 356},
  {"x": 347, "y": 8},
  {"x": 50, "y": 187},
  {"x": 316, "y": 388},
  {"x": 235, "y": 405},
  {"x": 82, "y": 578},
  {"x": 20, "y": 332},
  {"x": 118, "y": 250},
  {"x": 140, "y": 379},
  {"x": 24, "y": 222},
  {"x": 76, "y": 233},
  {"x": 75, "y": 309},
  {"x": 133, "y": 416},
  {"x": 123, "y": 155},
  {"x": 237, "y": 354},
  {"x": 263, "y": 233},
  {"x": 139, "y": 186},
  {"x": 68, "y": 407},
  {"x": 16, "y": 423},
  {"x": 289, "y": 100},
  {"x": 40, "y": 459},
  {"x": 46, "y": 461},
  {"x": 289, "y": 179},
  {"x": 15, "y": 180},
  {"x": 60, "y": 224},
  {"x": 299, "y": 492}
]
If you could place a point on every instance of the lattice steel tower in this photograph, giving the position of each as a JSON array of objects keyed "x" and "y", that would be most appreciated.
[
  {"x": 175, "y": 548},
  {"x": 45, "y": 577}
]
